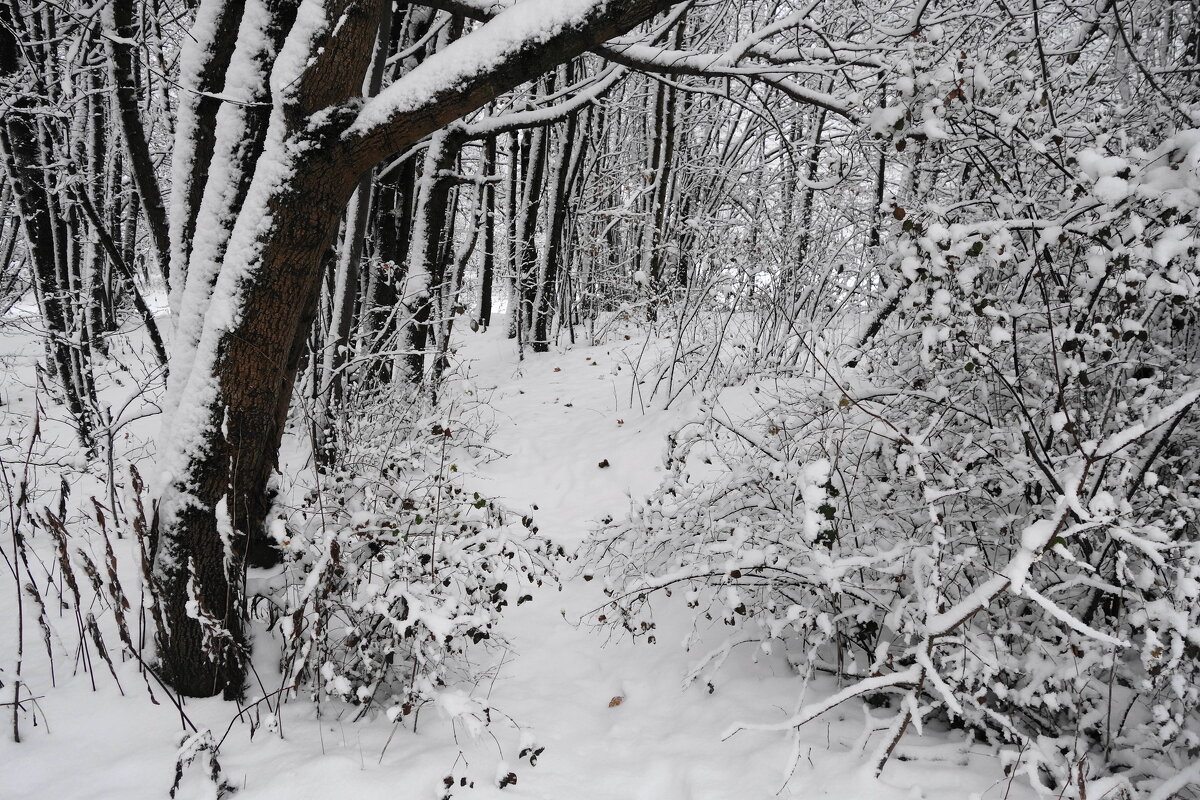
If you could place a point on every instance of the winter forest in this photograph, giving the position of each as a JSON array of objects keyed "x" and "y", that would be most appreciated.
[{"x": 600, "y": 399}]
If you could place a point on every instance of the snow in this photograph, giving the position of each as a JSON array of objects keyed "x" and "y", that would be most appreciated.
[
  {"x": 1111, "y": 189},
  {"x": 194, "y": 55},
  {"x": 618, "y": 720},
  {"x": 515, "y": 28},
  {"x": 490, "y": 126}
]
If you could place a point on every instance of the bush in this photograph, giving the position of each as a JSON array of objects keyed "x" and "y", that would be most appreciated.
[
  {"x": 396, "y": 569},
  {"x": 986, "y": 511}
]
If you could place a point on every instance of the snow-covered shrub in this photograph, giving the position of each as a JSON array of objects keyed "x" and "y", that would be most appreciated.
[
  {"x": 197, "y": 770},
  {"x": 985, "y": 508},
  {"x": 397, "y": 568}
]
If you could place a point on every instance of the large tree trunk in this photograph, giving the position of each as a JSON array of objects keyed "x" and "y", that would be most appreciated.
[
  {"x": 204, "y": 63},
  {"x": 225, "y": 165},
  {"x": 223, "y": 440},
  {"x": 229, "y": 419}
]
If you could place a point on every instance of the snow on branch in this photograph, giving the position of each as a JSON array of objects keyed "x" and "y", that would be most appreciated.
[{"x": 516, "y": 45}]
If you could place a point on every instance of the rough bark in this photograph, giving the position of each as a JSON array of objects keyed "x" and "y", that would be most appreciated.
[
  {"x": 23, "y": 148},
  {"x": 488, "y": 267},
  {"x": 243, "y": 375},
  {"x": 118, "y": 19},
  {"x": 344, "y": 301},
  {"x": 242, "y": 418},
  {"x": 552, "y": 256},
  {"x": 206, "y": 60}
]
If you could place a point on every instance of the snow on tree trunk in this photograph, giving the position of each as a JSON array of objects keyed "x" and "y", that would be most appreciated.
[{"x": 235, "y": 359}]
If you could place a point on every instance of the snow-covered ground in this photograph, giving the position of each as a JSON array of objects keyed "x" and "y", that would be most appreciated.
[{"x": 614, "y": 717}]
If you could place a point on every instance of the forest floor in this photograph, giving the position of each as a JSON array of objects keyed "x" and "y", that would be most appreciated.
[{"x": 614, "y": 716}]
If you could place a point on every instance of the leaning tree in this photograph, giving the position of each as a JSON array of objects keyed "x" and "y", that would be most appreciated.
[
  {"x": 282, "y": 118},
  {"x": 273, "y": 136}
]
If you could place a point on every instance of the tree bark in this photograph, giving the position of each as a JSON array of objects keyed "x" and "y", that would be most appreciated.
[
  {"x": 488, "y": 267},
  {"x": 204, "y": 64},
  {"x": 118, "y": 17},
  {"x": 552, "y": 257},
  {"x": 23, "y": 148},
  {"x": 346, "y": 283},
  {"x": 226, "y": 430}
]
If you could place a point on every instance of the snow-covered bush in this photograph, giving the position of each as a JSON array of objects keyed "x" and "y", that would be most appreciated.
[
  {"x": 396, "y": 568},
  {"x": 984, "y": 507}
]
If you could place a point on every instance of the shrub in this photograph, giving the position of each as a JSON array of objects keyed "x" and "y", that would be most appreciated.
[
  {"x": 986, "y": 510},
  {"x": 396, "y": 569}
]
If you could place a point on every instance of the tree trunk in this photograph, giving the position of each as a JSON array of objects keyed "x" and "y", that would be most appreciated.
[
  {"x": 204, "y": 63},
  {"x": 23, "y": 149},
  {"x": 488, "y": 267},
  {"x": 425, "y": 256},
  {"x": 118, "y": 18},
  {"x": 223, "y": 442},
  {"x": 346, "y": 284},
  {"x": 552, "y": 257},
  {"x": 534, "y": 173}
]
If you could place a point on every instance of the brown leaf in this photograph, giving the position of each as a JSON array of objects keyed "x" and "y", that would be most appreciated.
[{"x": 616, "y": 701}]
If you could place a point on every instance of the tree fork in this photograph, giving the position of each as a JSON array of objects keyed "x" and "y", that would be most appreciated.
[{"x": 245, "y": 379}]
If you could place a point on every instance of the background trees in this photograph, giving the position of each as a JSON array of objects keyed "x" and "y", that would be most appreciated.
[
  {"x": 976, "y": 214},
  {"x": 974, "y": 502},
  {"x": 64, "y": 158}
]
